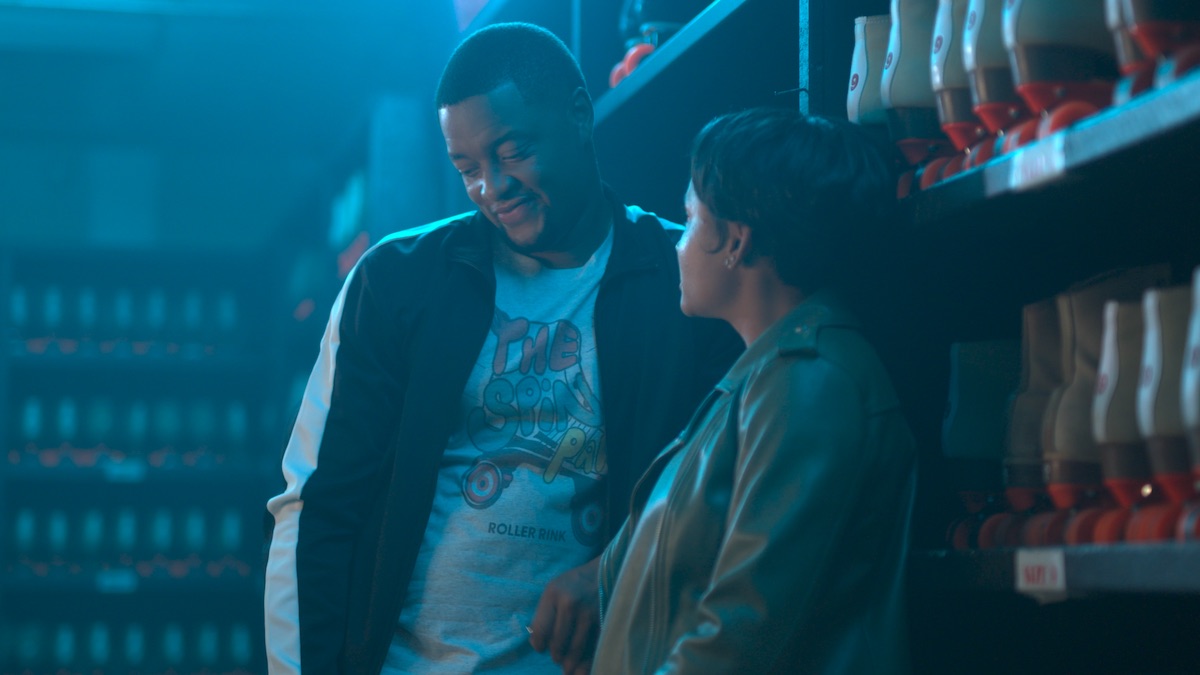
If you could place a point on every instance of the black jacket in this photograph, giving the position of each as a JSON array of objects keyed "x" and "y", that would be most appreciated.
[{"x": 363, "y": 459}]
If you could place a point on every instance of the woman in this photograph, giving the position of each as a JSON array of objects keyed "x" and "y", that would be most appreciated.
[{"x": 770, "y": 536}]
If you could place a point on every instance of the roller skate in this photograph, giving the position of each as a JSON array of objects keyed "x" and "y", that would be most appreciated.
[
  {"x": 982, "y": 378},
  {"x": 1123, "y": 459},
  {"x": 993, "y": 93},
  {"x": 906, "y": 91},
  {"x": 951, "y": 85},
  {"x": 1167, "y": 31},
  {"x": 863, "y": 103},
  {"x": 1041, "y": 372},
  {"x": 1160, "y": 413},
  {"x": 1063, "y": 59},
  {"x": 1137, "y": 68}
]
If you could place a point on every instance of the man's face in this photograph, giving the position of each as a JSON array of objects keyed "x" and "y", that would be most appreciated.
[{"x": 523, "y": 165}]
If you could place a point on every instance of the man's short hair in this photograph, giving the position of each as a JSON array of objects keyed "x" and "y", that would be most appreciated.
[
  {"x": 531, "y": 57},
  {"x": 816, "y": 193}
]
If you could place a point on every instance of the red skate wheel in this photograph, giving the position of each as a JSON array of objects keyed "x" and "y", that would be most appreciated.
[
  {"x": 981, "y": 152},
  {"x": 636, "y": 53},
  {"x": 960, "y": 532},
  {"x": 1022, "y": 134},
  {"x": 1111, "y": 526},
  {"x": 955, "y": 166},
  {"x": 1046, "y": 529},
  {"x": 931, "y": 173},
  {"x": 1153, "y": 523},
  {"x": 1064, "y": 116},
  {"x": 618, "y": 73},
  {"x": 1002, "y": 530},
  {"x": 1081, "y": 528},
  {"x": 993, "y": 529}
]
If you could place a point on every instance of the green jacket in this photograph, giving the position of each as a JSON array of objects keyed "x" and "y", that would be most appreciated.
[{"x": 770, "y": 536}]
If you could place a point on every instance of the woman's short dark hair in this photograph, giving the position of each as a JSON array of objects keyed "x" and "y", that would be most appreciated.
[
  {"x": 816, "y": 193},
  {"x": 531, "y": 57}
]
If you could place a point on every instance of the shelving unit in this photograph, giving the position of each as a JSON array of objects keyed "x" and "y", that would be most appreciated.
[
  {"x": 1115, "y": 190},
  {"x": 1059, "y": 573},
  {"x": 140, "y": 394},
  {"x": 117, "y": 636},
  {"x": 736, "y": 54}
]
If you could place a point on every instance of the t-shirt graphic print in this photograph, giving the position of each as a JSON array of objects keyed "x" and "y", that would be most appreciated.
[{"x": 540, "y": 412}]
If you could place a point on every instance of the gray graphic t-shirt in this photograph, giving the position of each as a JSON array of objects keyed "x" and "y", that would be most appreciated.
[{"x": 520, "y": 495}]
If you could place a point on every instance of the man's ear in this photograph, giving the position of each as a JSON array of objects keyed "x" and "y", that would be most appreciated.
[{"x": 583, "y": 115}]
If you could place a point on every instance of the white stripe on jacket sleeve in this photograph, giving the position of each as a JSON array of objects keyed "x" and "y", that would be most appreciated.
[{"x": 281, "y": 600}]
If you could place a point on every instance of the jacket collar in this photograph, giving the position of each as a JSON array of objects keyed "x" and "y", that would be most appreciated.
[
  {"x": 793, "y": 334},
  {"x": 633, "y": 246}
]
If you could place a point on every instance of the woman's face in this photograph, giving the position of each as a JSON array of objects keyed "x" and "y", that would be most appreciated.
[{"x": 706, "y": 283}]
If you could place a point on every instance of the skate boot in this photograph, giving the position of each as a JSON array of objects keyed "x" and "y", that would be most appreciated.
[
  {"x": 1137, "y": 68},
  {"x": 1041, "y": 372},
  {"x": 1189, "y": 523},
  {"x": 951, "y": 85},
  {"x": 1123, "y": 457},
  {"x": 982, "y": 378},
  {"x": 1160, "y": 412},
  {"x": 906, "y": 89},
  {"x": 993, "y": 92},
  {"x": 863, "y": 105}
]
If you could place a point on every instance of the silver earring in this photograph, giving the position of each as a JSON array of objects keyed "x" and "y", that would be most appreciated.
[{"x": 729, "y": 260}]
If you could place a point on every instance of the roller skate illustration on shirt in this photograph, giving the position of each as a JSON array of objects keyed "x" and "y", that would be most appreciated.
[{"x": 539, "y": 413}]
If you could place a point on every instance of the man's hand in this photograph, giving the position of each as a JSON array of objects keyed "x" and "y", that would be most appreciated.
[{"x": 567, "y": 620}]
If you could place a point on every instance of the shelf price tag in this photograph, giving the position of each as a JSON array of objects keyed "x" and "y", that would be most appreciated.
[
  {"x": 127, "y": 471},
  {"x": 116, "y": 581},
  {"x": 1039, "y": 163},
  {"x": 1041, "y": 574}
]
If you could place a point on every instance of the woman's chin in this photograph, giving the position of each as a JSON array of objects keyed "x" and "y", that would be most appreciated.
[{"x": 689, "y": 309}]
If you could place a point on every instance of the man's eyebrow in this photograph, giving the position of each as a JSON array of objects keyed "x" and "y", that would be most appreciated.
[
  {"x": 509, "y": 136},
  {"x": 512, "y": 135}
]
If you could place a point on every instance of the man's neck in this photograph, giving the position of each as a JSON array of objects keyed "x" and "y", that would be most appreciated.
[{"x": 586, "y": 237}]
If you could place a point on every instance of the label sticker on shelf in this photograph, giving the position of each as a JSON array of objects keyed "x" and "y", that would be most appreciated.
[
  {"x": 1039, "y": 163},
  {"x": 1041, "y": 574},
  {"x": 116, "y": 581},
  {"x": 127, "y": 471}
]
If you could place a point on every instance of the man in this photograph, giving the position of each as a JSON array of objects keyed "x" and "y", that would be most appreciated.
[{"x": 488, "y": 390}]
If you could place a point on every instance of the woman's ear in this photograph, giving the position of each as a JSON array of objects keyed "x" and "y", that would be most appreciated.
[{"x": 739, "y": 243}]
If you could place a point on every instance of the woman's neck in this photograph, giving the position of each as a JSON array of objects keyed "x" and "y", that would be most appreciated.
[{"x": 764, "y": 300}]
